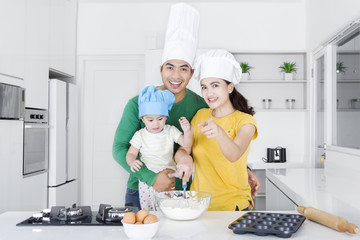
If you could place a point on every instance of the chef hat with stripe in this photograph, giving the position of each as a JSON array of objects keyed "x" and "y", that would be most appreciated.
[
  {"x": 218, "y": 63},
  {"x": 181, "y": 34},
  {"x": 155, "y": 102}
]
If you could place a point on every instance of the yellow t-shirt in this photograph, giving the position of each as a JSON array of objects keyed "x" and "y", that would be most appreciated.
[{"x": 226, "y": 181}]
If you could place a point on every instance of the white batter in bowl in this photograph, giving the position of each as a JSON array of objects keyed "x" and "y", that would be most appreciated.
[{"x": 174, "y": 206}]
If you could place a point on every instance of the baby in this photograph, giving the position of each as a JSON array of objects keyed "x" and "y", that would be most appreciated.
[{"x": 155, "y": 142}]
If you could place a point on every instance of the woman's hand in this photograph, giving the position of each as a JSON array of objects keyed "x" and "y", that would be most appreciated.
[{"x": 209, "y": 128}]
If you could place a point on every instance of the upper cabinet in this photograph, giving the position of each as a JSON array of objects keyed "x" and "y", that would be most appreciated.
[
  {"x": 37, "y": 35},
  {"x": 12, "y": 40},
  {"x": 37, "y": 53},
  {"x": 50, "y": 33},
  {"x": 63, "y": 18}
]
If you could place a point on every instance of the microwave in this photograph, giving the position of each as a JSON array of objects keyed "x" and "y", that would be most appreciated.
[{"x": 12, "y": 102}]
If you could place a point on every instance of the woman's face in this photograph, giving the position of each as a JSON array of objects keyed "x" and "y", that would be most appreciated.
[
  {"x": 215, "y": 91},
  {"x": 154, "y": 123}
]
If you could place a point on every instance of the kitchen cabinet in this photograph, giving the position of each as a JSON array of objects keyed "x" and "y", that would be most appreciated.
[
  {"x": 12, "y": 40},
  {"x": 18, "y": 192},
  {"x": 266, "y": 81},
  {"x": 320, "y": 188},
  {"x": 34, "y": 193},
  {"x": 36, "y": 53},
  {"x": 36, "y": 35},
  {"x": 260, "y": 199},
  {"x": 276, "y": 200},
  {"x": 11, "y": 157},
  {"x": 63, "y": 17}
]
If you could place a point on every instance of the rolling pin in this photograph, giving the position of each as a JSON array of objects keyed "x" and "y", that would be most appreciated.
[{"x": 331, "y": 221}]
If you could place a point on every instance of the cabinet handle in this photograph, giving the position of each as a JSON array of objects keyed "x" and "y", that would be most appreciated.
[{"x": 37, "y": 126}]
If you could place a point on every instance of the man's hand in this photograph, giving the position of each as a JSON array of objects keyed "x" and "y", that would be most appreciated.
[
  {"x": 254, "y": 183},
  {"x": 163, "y": 182},
  {"x": 184, "y": 167}
]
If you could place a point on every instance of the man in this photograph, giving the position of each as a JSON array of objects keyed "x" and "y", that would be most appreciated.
[{"x": 176, "y": 71}]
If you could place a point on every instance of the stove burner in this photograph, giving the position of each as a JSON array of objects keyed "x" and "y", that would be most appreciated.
[
  {"x": 108, "y": 214},
  {"x": 78, "y": 216},
  {"x": 70, "y": 214},
  {"x": 73, "y": 214}
]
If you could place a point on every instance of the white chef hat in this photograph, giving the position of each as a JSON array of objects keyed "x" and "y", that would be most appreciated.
[
  {"x": 218, "y": 63},
  {"x": 181, "y": 34}
]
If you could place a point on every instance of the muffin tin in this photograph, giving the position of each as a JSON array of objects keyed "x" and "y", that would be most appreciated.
[{"x": 260, "y": 223}]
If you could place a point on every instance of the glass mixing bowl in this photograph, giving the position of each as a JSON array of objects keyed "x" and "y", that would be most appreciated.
[{"x": 175, "y": 206}]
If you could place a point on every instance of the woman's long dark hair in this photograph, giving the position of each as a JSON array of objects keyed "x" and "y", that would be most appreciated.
[{"x": 240, "y": 102}]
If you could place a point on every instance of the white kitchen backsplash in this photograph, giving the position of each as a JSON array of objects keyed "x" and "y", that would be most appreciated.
[{"x": 287, "y": 129}]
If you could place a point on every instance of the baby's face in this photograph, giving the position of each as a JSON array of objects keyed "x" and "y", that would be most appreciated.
[{"x": 154, "y": 123}]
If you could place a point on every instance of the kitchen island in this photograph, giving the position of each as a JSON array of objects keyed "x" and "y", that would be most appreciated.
[
  {"x": 211, "y": 225},
  {"x": 332, "y": 192}
]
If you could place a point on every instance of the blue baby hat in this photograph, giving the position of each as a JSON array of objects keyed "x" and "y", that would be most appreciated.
[{"x": 155, "y": 102}]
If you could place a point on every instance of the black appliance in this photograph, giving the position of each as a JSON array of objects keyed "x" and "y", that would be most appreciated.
[
  {"x": 274, "y": 155},
  {"x": 78, "y": 216},
  {"x": 109, "y": 215}
]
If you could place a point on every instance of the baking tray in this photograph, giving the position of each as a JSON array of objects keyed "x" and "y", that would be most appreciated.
[{"x": 262, "y": 224}]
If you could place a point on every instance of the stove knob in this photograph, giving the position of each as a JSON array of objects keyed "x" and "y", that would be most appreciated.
[
  {"x": 37, "y": 217},
  {"x": 46, "y": 210}
]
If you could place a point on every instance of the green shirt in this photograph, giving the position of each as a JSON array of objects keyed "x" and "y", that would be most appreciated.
[{"x": 130, "y": 123}]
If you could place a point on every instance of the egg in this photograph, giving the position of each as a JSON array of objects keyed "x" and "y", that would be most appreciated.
[
  {"x": 150, "y": 219},
  {"x": 140, "y": 215},
  {"x": 129, "y": 218},
  {"x": 138, "y": 223}
]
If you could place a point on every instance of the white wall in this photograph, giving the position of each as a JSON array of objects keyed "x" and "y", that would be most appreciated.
[
  {"x": 115, "y": 27},
  {"x": 126, "y": 28},
  {"x": 276, "y": 129},
  {"x": 325, "y": 18}
]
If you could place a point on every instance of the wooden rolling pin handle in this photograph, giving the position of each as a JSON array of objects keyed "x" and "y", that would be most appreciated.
[{"x": 334, "y": 222}]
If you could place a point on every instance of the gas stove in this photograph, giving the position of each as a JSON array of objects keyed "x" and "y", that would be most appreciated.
[{"x": 78, "y": 216}]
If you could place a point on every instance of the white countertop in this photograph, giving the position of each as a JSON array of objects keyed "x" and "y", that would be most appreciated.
[
  {"x": 336, "y": 194},
  {"x": 211, "y": 225},
  {"x": 265, "y": 165}
]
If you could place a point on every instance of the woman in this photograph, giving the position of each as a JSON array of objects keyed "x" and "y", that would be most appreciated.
[{"x": 222, "y": 134}]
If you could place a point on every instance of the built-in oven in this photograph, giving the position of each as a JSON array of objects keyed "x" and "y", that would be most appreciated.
[{"x": 36, "y": 141}]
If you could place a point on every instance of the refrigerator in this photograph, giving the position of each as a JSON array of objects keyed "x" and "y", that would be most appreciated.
[{"x": 63, "y": 144}]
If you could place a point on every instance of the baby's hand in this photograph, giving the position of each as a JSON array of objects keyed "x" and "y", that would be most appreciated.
[
  {"x": 136, "y": 165},
  {"x": 184, "y": 123}
]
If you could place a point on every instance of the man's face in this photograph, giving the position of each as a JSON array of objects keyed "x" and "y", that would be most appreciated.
[{"x": 176, "y": 75}]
